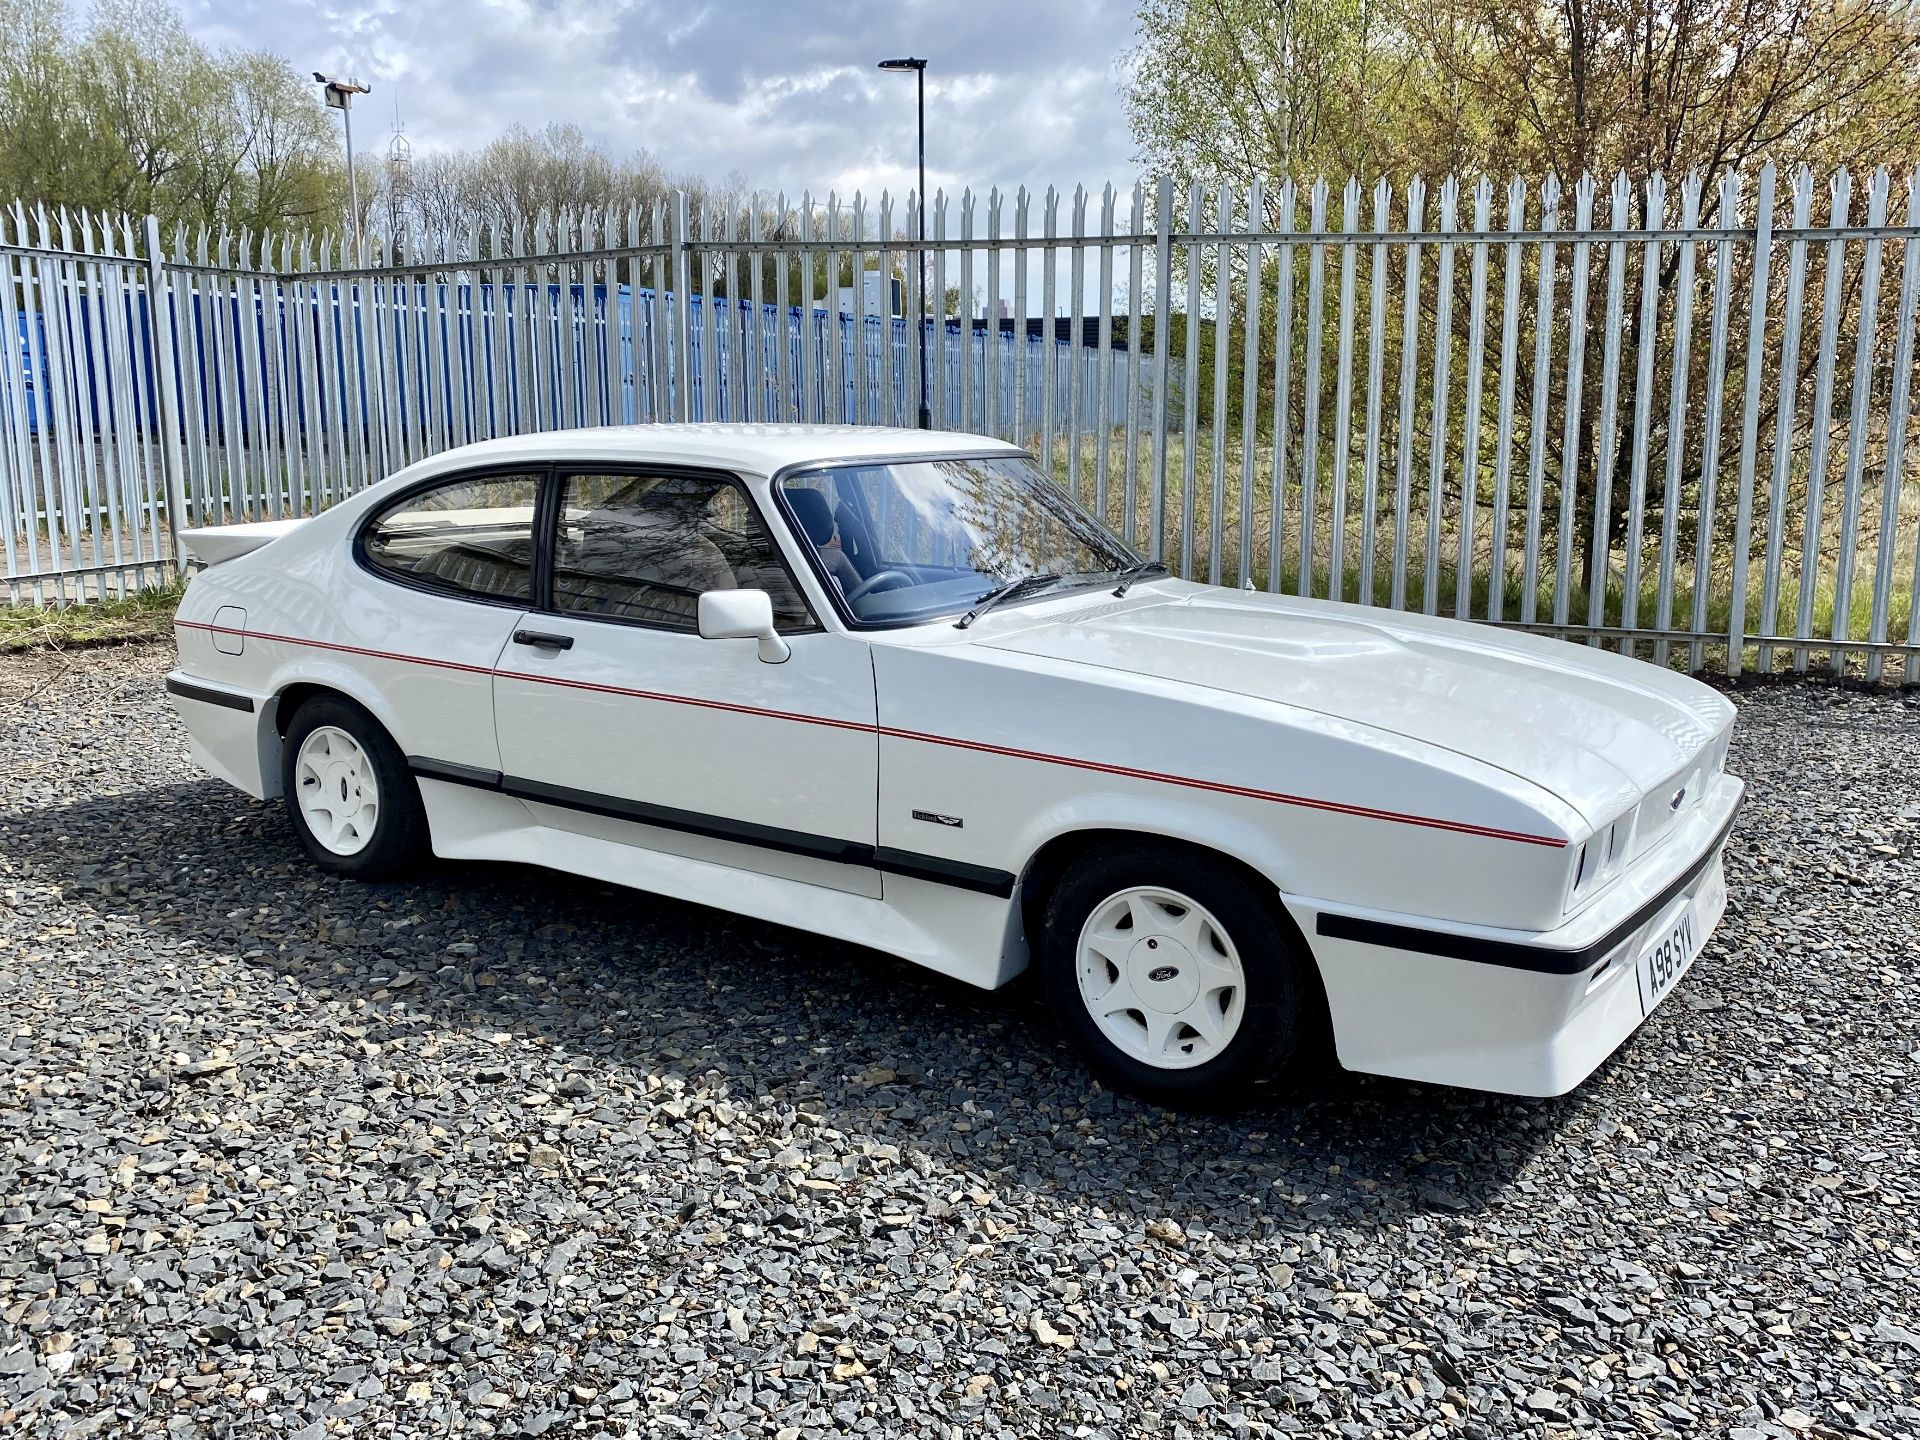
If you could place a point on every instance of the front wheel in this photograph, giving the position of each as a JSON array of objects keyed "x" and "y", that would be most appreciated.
[
  {"x": 1174, "y": 978},
  {"x": 354, "y": 806}
]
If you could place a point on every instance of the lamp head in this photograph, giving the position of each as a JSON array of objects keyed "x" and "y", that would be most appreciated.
[{"x": 905, "y": 66}]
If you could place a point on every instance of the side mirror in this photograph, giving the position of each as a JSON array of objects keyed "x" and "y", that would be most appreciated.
[{"x": 742, "y": 615}]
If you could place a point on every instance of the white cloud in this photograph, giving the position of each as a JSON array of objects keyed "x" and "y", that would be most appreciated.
[{"x": 1018, "y": 92}]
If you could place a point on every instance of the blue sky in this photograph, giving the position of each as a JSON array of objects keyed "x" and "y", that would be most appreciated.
[{"x": 1019, "y": 91}]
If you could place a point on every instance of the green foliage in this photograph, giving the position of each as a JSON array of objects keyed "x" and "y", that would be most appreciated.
[
  {"x": 1234, "y": 89},
  {"x": 133, "y": 115},
  {"x": 1244, "y": 89},
  {"x": 1264, "y": 91}
]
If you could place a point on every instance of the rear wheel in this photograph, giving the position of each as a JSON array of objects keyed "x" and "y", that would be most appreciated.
[
  {"x": 353, "y": 804},
  {"x": 1174, "y": 977}
]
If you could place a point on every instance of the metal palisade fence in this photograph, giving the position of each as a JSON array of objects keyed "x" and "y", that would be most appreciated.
[{"x": 1669, "y": 418}]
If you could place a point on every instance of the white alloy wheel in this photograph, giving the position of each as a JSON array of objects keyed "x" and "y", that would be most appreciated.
[
  {"x": 339, "y": 796},
  {"x": 1161, "y": 978}
]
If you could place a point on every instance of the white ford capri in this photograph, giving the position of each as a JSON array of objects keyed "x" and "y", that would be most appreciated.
[{"x": 894, "y": 687}]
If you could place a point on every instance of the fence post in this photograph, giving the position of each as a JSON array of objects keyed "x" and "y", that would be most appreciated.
[
  {"x": 1866, "y": 337},
  {"x": 682, "y": 298},
  {"x": 1895, "y": 475},
  {"x": 1162, "y": 306},
  {"x": 1750, "y": 424},
  {"x": 166, "y": 379}
]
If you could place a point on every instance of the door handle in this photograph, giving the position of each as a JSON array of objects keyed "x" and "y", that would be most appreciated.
[{"x": 543, "y": 639}]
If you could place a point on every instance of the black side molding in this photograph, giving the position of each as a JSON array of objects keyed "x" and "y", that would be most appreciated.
[
  {"x": 941, "y": 871},
  {"x": 454, "y": 774},
  {"x": 1512, "y": 954},
  {"x": 691, "y": 822},
  {"x": 207, "y": 695},
  {"x": 909, "y": 863}
]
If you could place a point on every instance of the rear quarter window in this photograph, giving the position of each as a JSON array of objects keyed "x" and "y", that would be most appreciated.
[{"x": 471, "y": 536}]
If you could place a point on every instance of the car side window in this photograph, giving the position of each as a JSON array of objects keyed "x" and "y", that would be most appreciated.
[
  {"x": 645, "y": 547},
  {"x": 471, "y": 536}
]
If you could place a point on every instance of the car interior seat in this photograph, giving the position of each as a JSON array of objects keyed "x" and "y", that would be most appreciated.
[{"x": 505, "y": 571}]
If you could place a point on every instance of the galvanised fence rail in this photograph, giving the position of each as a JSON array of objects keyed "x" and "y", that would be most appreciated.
[{"x": 1670, "y": 418}]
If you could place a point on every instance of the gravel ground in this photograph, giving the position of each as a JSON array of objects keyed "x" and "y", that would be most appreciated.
[{"x": 503, "y": 1153}]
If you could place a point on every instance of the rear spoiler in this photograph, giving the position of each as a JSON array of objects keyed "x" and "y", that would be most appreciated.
[{"x": 211, "y": 544}]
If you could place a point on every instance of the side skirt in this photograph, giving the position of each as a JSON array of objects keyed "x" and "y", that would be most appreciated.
[
  {"x": 910, "y": 863},
  {"x": 955, "y": 931}
]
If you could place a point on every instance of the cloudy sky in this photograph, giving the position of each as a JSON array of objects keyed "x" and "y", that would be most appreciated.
[{"x": 786, "y": 94}]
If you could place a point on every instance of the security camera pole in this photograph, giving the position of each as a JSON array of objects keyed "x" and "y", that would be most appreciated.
[
  {"x": 919, "y": 69},
  {"x": 340, "y": 95}
]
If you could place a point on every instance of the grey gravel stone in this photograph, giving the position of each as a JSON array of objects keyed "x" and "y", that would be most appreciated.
[{"x": 497, "y": 1152}]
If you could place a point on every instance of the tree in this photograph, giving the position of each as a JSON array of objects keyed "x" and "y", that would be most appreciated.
[
  {"x": 44, "y": 150},
  {"x": 1270, "y": 89},
  {"x": 1689, "y": 87},
  {"x": 130, "y": 114},
  {"x": 1685, "y": 86},
  {"x": 288, "y": 164},
  {"x": 1258, "y": 89},
  {"x": 140, "y": 81},
  {"x": 135, "y": 116},
  {"x": 1245, "y": 89},
  {"x": 556, "y": 172}
]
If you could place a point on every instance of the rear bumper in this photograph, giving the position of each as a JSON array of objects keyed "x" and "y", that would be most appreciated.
[
  {"x": 227, "y": 730},
  {"x": 1509, "y": 1011}
]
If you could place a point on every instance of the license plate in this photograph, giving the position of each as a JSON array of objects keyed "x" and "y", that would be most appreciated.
[{"x": 1678, "y": 942}]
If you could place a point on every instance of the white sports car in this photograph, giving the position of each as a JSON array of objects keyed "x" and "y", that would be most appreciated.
[{"x": 896, "y": 688}]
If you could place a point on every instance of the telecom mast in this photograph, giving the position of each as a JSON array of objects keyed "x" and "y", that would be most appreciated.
[{"x": 399, "y": 181}]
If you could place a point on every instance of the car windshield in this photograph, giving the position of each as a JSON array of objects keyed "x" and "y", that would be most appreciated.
[{"x": 906, "y": 541}]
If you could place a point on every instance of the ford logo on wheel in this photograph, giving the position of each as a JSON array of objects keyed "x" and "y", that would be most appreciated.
[{"x": 1163, "y": 972}]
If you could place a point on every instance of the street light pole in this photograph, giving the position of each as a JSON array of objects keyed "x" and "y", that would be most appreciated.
[
  {"x": 919, "y": 68},
  {"x": 353, "y": 180},
  {"x": 340, "y": 95}
]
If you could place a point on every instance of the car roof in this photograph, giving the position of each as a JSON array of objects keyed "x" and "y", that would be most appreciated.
[{"x": 750, "y": 449}]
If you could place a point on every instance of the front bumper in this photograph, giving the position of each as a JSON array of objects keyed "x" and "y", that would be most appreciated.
[{"x": 1510, "y": 1011}]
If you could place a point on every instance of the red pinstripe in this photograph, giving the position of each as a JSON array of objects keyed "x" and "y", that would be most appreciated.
[
  {"x": 1218, "y": 787},
  {"x": 329, "y": 645},
  {"x": 1222, "y": 787},
  {"x": 693, "y": 700}
]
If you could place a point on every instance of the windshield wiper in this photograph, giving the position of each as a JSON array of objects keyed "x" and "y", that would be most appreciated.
[
  {"x": 1135, "y": 572},
  {"x": 1005, "y": 592}
]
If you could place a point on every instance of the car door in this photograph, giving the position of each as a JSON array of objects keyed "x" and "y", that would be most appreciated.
[
  {"x": 456, "y": 555},
  {"x": 616, "y": 719}
]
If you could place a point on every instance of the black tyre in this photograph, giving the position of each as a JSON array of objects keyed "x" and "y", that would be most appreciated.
[
  {"x": 1175, "y": 978},
  {"x": 353, "y": 804}
]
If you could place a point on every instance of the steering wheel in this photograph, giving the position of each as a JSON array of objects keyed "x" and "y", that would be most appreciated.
[{"x": 872, "y": 583}]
